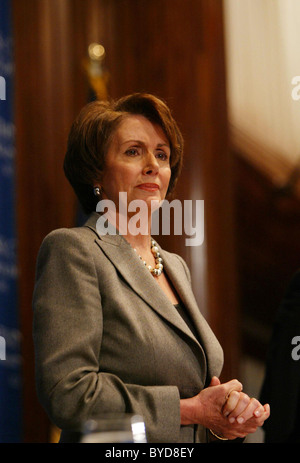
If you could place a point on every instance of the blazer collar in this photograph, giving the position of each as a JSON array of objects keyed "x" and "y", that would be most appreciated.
[{"x": 122, "y": 255}]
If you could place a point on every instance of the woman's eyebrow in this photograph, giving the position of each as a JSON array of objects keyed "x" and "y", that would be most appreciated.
[
  {"x": 159, "y": 145},
  {"x": 132, "y": 141},
  {"x": 141, "y": 142}
]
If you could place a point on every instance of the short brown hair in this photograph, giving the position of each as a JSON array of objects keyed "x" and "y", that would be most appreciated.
[{"x": 91, "y": 133}]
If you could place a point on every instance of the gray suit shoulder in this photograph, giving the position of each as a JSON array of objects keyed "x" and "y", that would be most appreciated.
[
  {"x": 64, "y": 235},
  {"x": 65, "y": 241}
]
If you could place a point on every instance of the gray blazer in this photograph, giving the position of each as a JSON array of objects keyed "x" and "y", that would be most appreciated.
[{"x": 107, "y": 338}]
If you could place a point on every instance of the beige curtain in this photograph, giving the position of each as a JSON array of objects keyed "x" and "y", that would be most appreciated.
[{"x": 263, "y": 62}]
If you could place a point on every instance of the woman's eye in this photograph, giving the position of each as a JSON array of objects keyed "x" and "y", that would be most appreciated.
[
  {"x": 162, "y": 155},
  {"x": 131, "y": 152}
]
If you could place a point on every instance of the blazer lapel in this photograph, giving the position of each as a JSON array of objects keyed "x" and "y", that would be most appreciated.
[
  {"x": 121, "y": 254},
  {"x": 208, "y": 341},
  {"x": 141, "y": 281}
]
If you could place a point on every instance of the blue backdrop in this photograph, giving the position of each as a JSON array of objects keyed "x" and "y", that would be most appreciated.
[{"x": 10, "y": 364}]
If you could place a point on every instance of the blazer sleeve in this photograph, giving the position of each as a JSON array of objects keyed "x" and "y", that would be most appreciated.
[{"x": 67, "y": 332}]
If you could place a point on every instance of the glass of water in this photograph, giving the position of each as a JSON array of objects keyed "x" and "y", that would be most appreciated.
[{"x": 116, "y": 428}]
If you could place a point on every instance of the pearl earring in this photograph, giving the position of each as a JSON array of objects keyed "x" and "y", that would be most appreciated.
[{"x": 97, "y": 191}]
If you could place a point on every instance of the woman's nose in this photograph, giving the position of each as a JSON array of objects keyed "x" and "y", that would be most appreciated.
[{"x": 151, "y": 166}]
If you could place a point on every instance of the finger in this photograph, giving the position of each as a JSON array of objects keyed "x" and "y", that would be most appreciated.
[
  {"x": 231, "y": 403},
  {"x": 253, "y": 409},
  {"x": 243, "y": 403},
  {"x": 267, "y": 409},
  {"x": 233, "y": 385},
  {"x": 262, "y": 411},
  {"x": 266, "y": 412},
  {"x": 259, "y": 411},
  {"x": 214, "y": 381},
  {"x": 260, "y": 415}
]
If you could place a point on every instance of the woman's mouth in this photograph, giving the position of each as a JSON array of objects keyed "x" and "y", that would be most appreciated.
[{"x": 148, "y": 186}]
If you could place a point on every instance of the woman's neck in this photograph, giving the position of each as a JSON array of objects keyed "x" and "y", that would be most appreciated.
[
  {"x": 142, "y": 243},
  {"x": 139, "y": 236}
]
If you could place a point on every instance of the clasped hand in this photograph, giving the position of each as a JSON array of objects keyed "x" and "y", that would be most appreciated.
[{"x": 225, "y": 409}]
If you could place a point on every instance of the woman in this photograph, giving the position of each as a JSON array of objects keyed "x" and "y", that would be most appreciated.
[{"x": 111, "y": 333}]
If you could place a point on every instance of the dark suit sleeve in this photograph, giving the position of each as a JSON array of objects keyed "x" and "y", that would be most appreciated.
[
  {"x": 281, "y": 387},
  {"x": 67, "y": 335}
]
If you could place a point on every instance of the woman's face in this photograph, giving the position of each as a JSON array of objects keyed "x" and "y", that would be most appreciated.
[{"x": 137, "y": 162}]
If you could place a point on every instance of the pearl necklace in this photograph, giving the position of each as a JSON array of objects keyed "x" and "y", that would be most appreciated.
[{"x": 158, "y": 269}]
